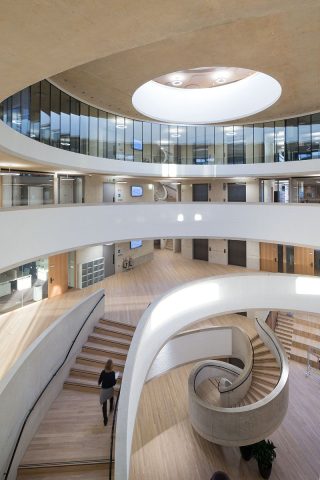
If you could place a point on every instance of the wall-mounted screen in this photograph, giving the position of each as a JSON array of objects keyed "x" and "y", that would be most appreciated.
[
  {"x": 136, "y": 191},
  {"x": 135, "y": 244},
  {"x": 137, "y": 144}
]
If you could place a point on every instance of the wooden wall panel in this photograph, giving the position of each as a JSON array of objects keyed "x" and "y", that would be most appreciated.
[
  {"x": 58, "y": 275},
  {"x": 303, "y": 261},
  {"x": 268, "y": 257}
]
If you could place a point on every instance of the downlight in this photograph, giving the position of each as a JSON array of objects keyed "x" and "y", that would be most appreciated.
[{"x": 218, "y": 94}]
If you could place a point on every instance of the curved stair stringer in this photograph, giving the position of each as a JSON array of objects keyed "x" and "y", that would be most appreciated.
[{"x": 247, "y": 423}]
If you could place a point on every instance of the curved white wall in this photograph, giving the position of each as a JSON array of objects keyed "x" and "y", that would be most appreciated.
[
  {"x": 187, "y": 304},
  {"x": 30, "y": 233},
  {"x": 24, "y": 147}
]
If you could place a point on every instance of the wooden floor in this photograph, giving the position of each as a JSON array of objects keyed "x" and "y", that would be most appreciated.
[
  {"x": 128, "y": 294},
  {"x": 166, "y": 446}
]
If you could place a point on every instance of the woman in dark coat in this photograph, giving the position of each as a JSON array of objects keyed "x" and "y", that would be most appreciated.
[{"x": 107, "y": 380}]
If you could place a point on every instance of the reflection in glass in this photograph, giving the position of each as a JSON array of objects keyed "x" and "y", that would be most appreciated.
[
  {"x": 291, "y": 139},
  {"x": 25, "y": 111},
  {"x": 269, "y": 142},
  {"x": 74, "y": 125},
  {"x": 156, "y": 152},
  {"x": 84, "y": 128},
  {"x": 93, "y": 131},
  {"x": 65, "y": 122},
  {"x": 16, "y": 112},
  {"x": 102, "y": 127},
  {"x": 120, "y": 128},
  {"x": 35, "y": 111},
  {"x": 137, "y": 141},
  {"x": 238, "y": 155},
  {"x": 210, "y": 143},
  {"x": 304, "y": 131},
  {"x": 219, "y": 158},
  {"x": 111, "y": 151},
  {"x": 147, "y": 145},
  {"x": 279, "y": 139},
  {"x": 258, "y": 150},
  {"x": 315, "y": 132},
  {"x": 45, "y": 112},
  {"x": 128, "y": 135},
  {"x": 55, "y": 117},
  {"x": 248, "y": 143},
  {"x": 191, "y": 141}
]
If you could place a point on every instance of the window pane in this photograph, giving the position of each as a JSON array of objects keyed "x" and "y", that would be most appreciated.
[
  {"x": 35, "y": 111},
  {"x": 65, "y": 121},
  {"x": 16, "y": 112},
  {"x": 164, "y": 143},
  {"x": 291, "y": 139},
  {"x": 55, "y": 117},
  {"x": 248, "y": 144},
  {"x": 120, "y": 128},
  {"x": 200, "y": 151},
  {"x": 218, "y": 153},
  {"x": 156, "y": 152},
  {"x": 305, "y": 137},
  {"x": 269, "y": 142},
  {"x": 111, "y": 149},
  {"x": 25, "y": 111},
  {"x": 279, "y": 141},
  {"x": 84, "y": 128},
  {"x": 147, "y": 146},
  {"x": 74, "y": 125},
  {"x": 137, "y": 141},
  {"x": 228, "y": 144},
  {"x": 102, "y": 143},
  {"x": 128, "y": 135},
  {"x": 191, "y": 141},
  {"x": 182, "y": 145},
  {"x": 238, "y": 156},
  {"x": 210, "y": 144},
  {"x": 45, "y": 112},
  {"x": 258, "y": 149},
  {"x": 93, "y": 131},
  {"x": 315, "y": 135}
]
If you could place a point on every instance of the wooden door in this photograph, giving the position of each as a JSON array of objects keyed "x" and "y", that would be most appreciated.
[
  {"x": 58, "y": 274},
  {"x": 201, "y": 249},
  {"x": 304, "y": 260},
  {"x": 268, "y": 257}
]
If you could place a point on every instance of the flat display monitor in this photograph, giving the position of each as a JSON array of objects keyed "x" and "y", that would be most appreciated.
[
  {"x": 137, "y": 144},
  {"x": 135, "y": 244},
  {"x": 136, "y": 191}
]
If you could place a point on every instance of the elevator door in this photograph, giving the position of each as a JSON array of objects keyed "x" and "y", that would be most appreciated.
[
  {"x": 237, "y": 253},
  {"x": 200, "y": 192},
  {"x": 236, "y": 192},
  {"x": 200, "y": 249}
]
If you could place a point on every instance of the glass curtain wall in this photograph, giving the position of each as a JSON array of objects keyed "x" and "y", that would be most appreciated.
[{"x": 51, "y": 116}]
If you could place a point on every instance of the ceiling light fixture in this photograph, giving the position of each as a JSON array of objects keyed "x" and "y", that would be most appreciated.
[
  {"x": 220, "y": 80},
  {"x": 176, "y": 83}
]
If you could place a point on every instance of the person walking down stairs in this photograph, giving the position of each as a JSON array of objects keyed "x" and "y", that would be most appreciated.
[{"x": 107, "y": 380}]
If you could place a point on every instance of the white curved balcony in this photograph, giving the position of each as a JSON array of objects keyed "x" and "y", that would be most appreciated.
[
  {"x": 24, "y": 147},
  {"x": 31, "y": 233}
]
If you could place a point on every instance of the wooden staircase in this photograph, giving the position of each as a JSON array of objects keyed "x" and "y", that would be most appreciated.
[
  {"x": 284, "y": 331},
  {"x": 265, "y": 373},
  {"x": 306, "y": 332},
  {"x": 169, "y": 244},
  {"x": 109, "y": 339}
]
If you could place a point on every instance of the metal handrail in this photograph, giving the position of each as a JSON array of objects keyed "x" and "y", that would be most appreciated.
[
  {"x": 275, "y": 344},
  {"x": 6, "y": 474},
  {"x": 112, "y": 434},
  {"x": 215, "y": 366}
]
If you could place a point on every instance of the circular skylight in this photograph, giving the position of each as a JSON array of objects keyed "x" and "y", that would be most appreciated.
[{"x": 206, "y": 95}]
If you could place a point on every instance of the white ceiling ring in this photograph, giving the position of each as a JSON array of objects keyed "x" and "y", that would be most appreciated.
[{"x": 207, "y": 105}]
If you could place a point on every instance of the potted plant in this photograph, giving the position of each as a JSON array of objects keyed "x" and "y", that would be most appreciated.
[
  {"x": 246, "y": 452},
  {"x": 264, "y": 453}
]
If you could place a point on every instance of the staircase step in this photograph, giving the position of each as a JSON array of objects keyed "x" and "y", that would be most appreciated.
[
  {"x": 109, "y": 341},
  {"x": 262, "y": 364},
  {"x": 256, "y": 393},
  {"x": 265, "y": 380},
  {"x": 71, "y": 470},
  {"x": 284, "y": 330},
  {"x": 263, "y": 355},
  {"x": 79, "y": 373},
  {"x": 98, "y": 361},
  {"x": 127, "y": 327},
  {"x": 249, "y": 398},
  {"x": 309, "y": 332},
  {"x": 267, "y": 370},
  {"x": 261, "y": 387},
  {"x": 85, "y": 385},
  {"x": 304, "y": 343},
  {"x": 106, "y": 352},
  {"x": 113, "y": 331}
]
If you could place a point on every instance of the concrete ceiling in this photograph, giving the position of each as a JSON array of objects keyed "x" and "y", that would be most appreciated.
[{"x": 106, "y": 49}]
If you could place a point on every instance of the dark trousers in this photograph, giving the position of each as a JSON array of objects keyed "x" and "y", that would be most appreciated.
[{"x": 104, "y": 408}]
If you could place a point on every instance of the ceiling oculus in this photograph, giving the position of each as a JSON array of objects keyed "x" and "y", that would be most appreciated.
[{"x": 206, "y": 95}]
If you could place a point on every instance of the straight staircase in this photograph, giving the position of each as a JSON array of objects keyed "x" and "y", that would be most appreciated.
[
  {"x": 109, "y": 339},
  {"x": 284, "y": 331}
]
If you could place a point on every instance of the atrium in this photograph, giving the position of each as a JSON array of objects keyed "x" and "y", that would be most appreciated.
[{"x": 159, "y": 198}]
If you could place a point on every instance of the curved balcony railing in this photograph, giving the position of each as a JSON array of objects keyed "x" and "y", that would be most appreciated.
[{"x": 45, "y": 113}]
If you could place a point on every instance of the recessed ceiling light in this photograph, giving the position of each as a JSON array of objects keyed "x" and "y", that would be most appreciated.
[
  {"x": 176, "y": 83},
  {"x": 220, "y": 80}
]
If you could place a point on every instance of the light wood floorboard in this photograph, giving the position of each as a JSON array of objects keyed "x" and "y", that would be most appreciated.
[
  {"x": 166, "y": 446},
  {"x": 127, "y": 296}
]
